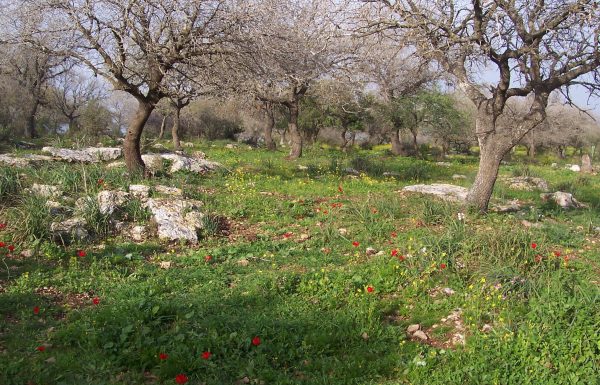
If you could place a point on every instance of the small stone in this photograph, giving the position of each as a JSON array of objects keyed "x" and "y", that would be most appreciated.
[
  {"x": 187, "y": 144},
  {"x": 111, "y": 201},
  {"x": 199, "y": 155},
  {"x": 420, "y": 335},
  {"x": 139, "y": 191},
  {"x": 245, "y": 380},
  {"x": 459, "y": 177},
  {"x": 554, "y": 165},
  {"x": 302, "y": 168},
  {"x": 117, "y": 164},
  {"x": 487, "y": 328},
  {"x": 27, "y": 253},
  {"x": 365, "y": 336},
  {"x": 231, "y": 146},
  {"x": 343, "y": 231},
  {"x": 138, "y": 233},
  {"x": 448, "y": 291},
  {"x": 443, "y": 164},
  {"x": 50, "y": 360},
  {"x": 575, "y": 168},
  {"x": 165, "y": 264},
  {"x": 304, "y": 237},
  {"x": 173, "y": 191},
  {"x": 243, "y": 262},
  {"x": 46, "y": 191},
  {"x": 413, "y": 328},
  {"x": 371, "y": 251}
]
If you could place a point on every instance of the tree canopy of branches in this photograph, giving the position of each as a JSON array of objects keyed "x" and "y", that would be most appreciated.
[{"x": 532, "y": 47}]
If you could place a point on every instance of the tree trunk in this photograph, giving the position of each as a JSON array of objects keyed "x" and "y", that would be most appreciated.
[
  {"x": 353, "y": 138},
  {"x": 396, "y": 145},
  {"x": 414, "y": 133},
  {"x": 161, "y": 134},
  {"x": 30, "y": 131},
  {"x": 344, "y": 140},
  {"x": 531, "y": 148},
  {"x": 175, "y": 129},
  {"x": 296, "y": 145},
  {"x": 131, "y": 145},
  {"x": 561, "y": 152},
  {"x": 269, "y": 142}
]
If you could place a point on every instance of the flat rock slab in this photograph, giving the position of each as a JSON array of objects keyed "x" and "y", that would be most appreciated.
[
  {"x": 111, "y": 201},
  {"x": 86, "y": 155},
  {"x": 562, "y": 199},
  {"x": 23, "y": 161},
  {"x": 185, "y": 163},
  {"x": 45, "y": 191},
  {"x": 176, "y": 219},
  {"x": 447, "y": 192},
  {"x": 527, "y": 183}
]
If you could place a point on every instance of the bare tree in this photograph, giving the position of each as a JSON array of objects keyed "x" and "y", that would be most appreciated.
[
  {"x": 532, "y": 47},
  {"x": 136, "y": 44},
  {"x": 290, "y": 45},
  {"x": 71, "y": 92}
]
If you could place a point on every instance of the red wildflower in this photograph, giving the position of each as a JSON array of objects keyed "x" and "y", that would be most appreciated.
[
  {"x": 81, "y": 253},
  {"x": 402, "y": 258},
  {"x": 208, "y": 258},
  {"x": 370, "y": 289},
  {"x": 11, "y": 248},
  {"x": 325, "y": 212},
  {"x": 394, "y": 253},
  {"x": 100, "y": 182},
  {"x": 206, "y": 355},
  {"x": 96, "y": 301},
  {"x": 355, "y": 244},
  {"x": 534, "y": 245},
  {"x": 2, "y": 244},
  {"x": 287, "y": 235},
  {"x": 41, "y": 348},
  {"x": 181, "y": 379},
  {"x": 557, "y": 253},
  {"x": 256, "y": 341},
  {"x": 36, "y": 310},
  {"x": 374, "y": 211},
  {"x": 340, "y": 189},
  {"x": 2, "y": 226},
  {"x": 443, "y": 266},
  {"x": 163, "y": 356}
]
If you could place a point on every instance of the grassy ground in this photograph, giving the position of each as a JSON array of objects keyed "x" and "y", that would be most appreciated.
[{"x": 293, "y": 270}]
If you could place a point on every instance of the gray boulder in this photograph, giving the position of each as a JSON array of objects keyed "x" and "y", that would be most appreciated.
[
  {"x": 562, "y": 199},
  {"x": 111, "y": 201},
  {"x": 527, "y": 183},
  {"x": 86, "y": 155},
  {"x": 447, "y": 192},
  {"x": 68, "y": 231},
  {"x": 173, "y": 219}
]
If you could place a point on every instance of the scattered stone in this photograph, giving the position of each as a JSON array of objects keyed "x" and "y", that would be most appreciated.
[
  {"x": 153, "y": 162},
  {"x": 111, "y": 201},
  {"x": 446, "y": 192},
  {"x": 243, "y": 262},
  {"x": 392, "y": 174},
  {"x": 562, "y": 199},
  {"x": 351, "y": 171},
  {"x": 70, "y": 230},
  {"x": 302, "y": 167},
  {"x": 528, "y": 224},
  {"x": 487, "y": 328},
  {"x": 365, "y": 336},
  {"x": 510, "y": 207},
  {"x": 443, "y": 164},
  {"x": 187, "y": 144},
  {"x": 371, "y": 251},
  {"x": 448, "y": 291},
  {"x": 165, "y": 264},
  {"x": 56, "y": 208},
  {"x": 304, "y": 237},
  {"x": 139, "y": 191},
  {"x": 168, "y": 214},
  {"x": 459, "y": 177},
  {"x": 185, "y": 163},
  {"x": 138, "y": 233},
  {"x": 27, "y": 253},
  {"x": 231, "y": 146},
  {"x": 198, "y": 155},
  {"x": 86, "y": 155},
  {"x": 575, "y": 168},
  {"x": 23, "y": 161},
  {"x": 117, "y": 164},
  {"x": 527, "y": 183},
  {"x": 343, "y": 231},
  {"x": 586, "y": 164},
  {"x": 554, "y": 165},
  {"x": 166, "y": 190},
  {"x": 420, "y": 334},
  {"x": 413, "y": 328},
  {"x": 158, "y": 146},
  {"x": 46, "y": 191}
]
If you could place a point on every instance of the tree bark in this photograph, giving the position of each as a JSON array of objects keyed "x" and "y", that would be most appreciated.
[
  {"x": 344, "y": 140},
  {"x": 414, "y": 133},
  {"x": 30, "y": 131},
  {"x": 175, "y": 129},
  {"x": 131, "y": 145},
  {"x": 396, "y": 144},
  {"x": 269, "y": 142},
  {"x": 296, "y": 145}
]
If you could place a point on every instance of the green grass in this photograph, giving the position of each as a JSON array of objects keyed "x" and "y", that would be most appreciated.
[{"x": 289, "y": 273}]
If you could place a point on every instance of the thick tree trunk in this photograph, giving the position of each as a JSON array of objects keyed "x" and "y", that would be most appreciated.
[
  {"x": 561, "y": 152},
  {"x": 415, "y": 145},
  {"x": 353, "y": 138},
  {"x": 396, "y": 144},
  {"x": 269, "y": 142},
  {"x": 161, "y": 133},
  {"x": 481, "y": 191},
  {"x": 131, "y": 145},
  {"x": 30, "y": 131},
  {"x": 296, "y": 137},
  {"x": 175, "y": 129}
]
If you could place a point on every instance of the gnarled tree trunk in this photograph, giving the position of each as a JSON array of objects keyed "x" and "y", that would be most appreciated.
[
  {"x": 295, "y": 136},
  {"x": 30, "y": 131},
  {"x": 344, "y": 140},
  {"x": 131, "y": 145},
  {"x": 161, "y": 133}
]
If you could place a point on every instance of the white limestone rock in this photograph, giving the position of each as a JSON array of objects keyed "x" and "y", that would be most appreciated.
[{"x": 447, "y": 192}]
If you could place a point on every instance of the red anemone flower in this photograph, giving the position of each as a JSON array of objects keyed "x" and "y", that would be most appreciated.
[
  {"x": 394, "y": 253},
  {"x": 208, "y": 258},
  {"x": 163, "y": 356},
  {"x": 443, "y": 266},
  {"x": 81, "y": 253},
  {"x": 534, "y": 245},
  {"x": 2, "y": 244},
  {"x": 355, "y": 244},
  {"x": 41, "y": 348},
  {"x": 206, "y": 355},
  {"x": 11, "y": 248},
  {"x": 96, "y": 301},
  {"x": 256, "y": 341},
  {"x": 181, "y": 378},
  {"x": 36, "y": 310},
  {"x": 370, "y": 289}
]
